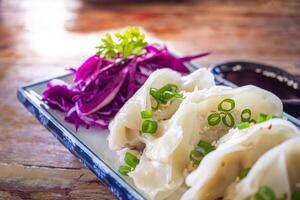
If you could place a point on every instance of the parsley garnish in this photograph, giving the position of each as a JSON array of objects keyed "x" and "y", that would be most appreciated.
[{"x": 131, "y": 42}]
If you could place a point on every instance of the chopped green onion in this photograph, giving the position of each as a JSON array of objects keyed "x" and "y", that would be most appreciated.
[
  {"x": 168, "y": 87},
  {"x": 252, "y": 121},
  {"x": 243, "y": 125},
  {"x": 156, "y": 106},
  {"x": 196, "y": 156},
  {"x": 227, "y": 123},
  {"x": 205, "y": 147},
  {"x": 223, "y": 107},
  {"x": 269, "y": 117},
  {"x": 296, "y": 196},
  {"x": 165, "y": 94},
  {"x": 168, "y": 95},
  {"x": 244, "y": 173},
  {"x": 202, "y": 149},
  {"x": 146, "y": 114},
  {"x": 265, "y": 193},
  {"x": 214, "y": 119},
  {"x": 154, "y": 93},
  {"x": 124, "y": 170},
  {"x": 262, "y": 117},
  {"x": 149, "y": 126},
  {"x": 246, "y": 115},
  {"x": 131, "y": 160}
]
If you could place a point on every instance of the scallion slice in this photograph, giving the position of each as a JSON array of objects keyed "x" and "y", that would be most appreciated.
[
  {"x": 265, "y": 193},
  {"x": 149, "y": 126},
  {"x": 205, "y": 147},
  {"x": 243, "y": 125},
  {"x": 165, "y": 94},
  {"x": 201, "y": 150},
  {"x": 244, "y": 173},
  {"x": 214, "y": 119},
  {"x": 196, "y": 156},
  {"x": 246, "y": 115},
  {"x": 228, "y": 120},
  {"x": 131, "y": 160},
  {"x": 124, "y": 170},
  {"x": 146, "y": 114},
  {"x": 262, "y": 117},
  {"x": 226, "y": 105}
]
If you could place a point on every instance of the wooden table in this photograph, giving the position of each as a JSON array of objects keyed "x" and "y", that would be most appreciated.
[{"x": 39, "y": 39}]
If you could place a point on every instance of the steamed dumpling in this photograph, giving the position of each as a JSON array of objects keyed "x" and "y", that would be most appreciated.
[
  {"x": 160, "y": 175},
  {"x": 254, "y": 98},
  {"x": 125, "y": 128},
  {"x": 278, "y": 169},
  {"x": 237, "y": 150}
]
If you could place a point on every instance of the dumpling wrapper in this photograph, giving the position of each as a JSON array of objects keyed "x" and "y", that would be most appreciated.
[
  {"x": 125, "y": 127},
  {"x": 237, "y": 150},
  {"x": 278, "y": 169}
]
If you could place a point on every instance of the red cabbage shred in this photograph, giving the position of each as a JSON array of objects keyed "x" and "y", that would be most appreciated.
[{"x": 101, "y": 86}]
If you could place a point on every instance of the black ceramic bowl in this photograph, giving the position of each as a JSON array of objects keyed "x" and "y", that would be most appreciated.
[{"x": 283, "y": 84}]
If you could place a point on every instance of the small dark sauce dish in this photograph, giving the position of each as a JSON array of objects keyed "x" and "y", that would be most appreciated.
[{"x": 283, "y": 84}]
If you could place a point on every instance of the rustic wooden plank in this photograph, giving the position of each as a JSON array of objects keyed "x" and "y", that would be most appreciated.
[{"x": 18, "y": 181}]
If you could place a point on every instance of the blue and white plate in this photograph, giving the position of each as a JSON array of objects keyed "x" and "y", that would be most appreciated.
[{"x": 90, "y": 146}]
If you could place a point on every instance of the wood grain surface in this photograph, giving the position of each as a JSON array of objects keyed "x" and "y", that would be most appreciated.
[{"x": 40, "y": 39}]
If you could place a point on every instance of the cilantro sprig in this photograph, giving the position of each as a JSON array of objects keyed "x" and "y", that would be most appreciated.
[{"x": 131, "y": 42}]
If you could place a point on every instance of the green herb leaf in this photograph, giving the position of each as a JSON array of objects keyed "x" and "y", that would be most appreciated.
[{"x": 131, "y": 42}]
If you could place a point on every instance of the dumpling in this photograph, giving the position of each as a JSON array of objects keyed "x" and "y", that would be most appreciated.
[
  {"x": 247, "y": 97},
  {"x": 160, "y": 175},
  {"x": 125, "y": 128},
  {"x": 237, "y": 150},
  {"x": 171, "y": 148},
  {"x": 278, "y": 169}
]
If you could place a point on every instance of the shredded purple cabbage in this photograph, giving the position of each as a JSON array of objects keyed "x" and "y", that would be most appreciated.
[{"x": 102, "y": 86}]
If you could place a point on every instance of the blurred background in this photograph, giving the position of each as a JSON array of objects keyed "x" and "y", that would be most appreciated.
[{"x": 39, "y": 39}]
